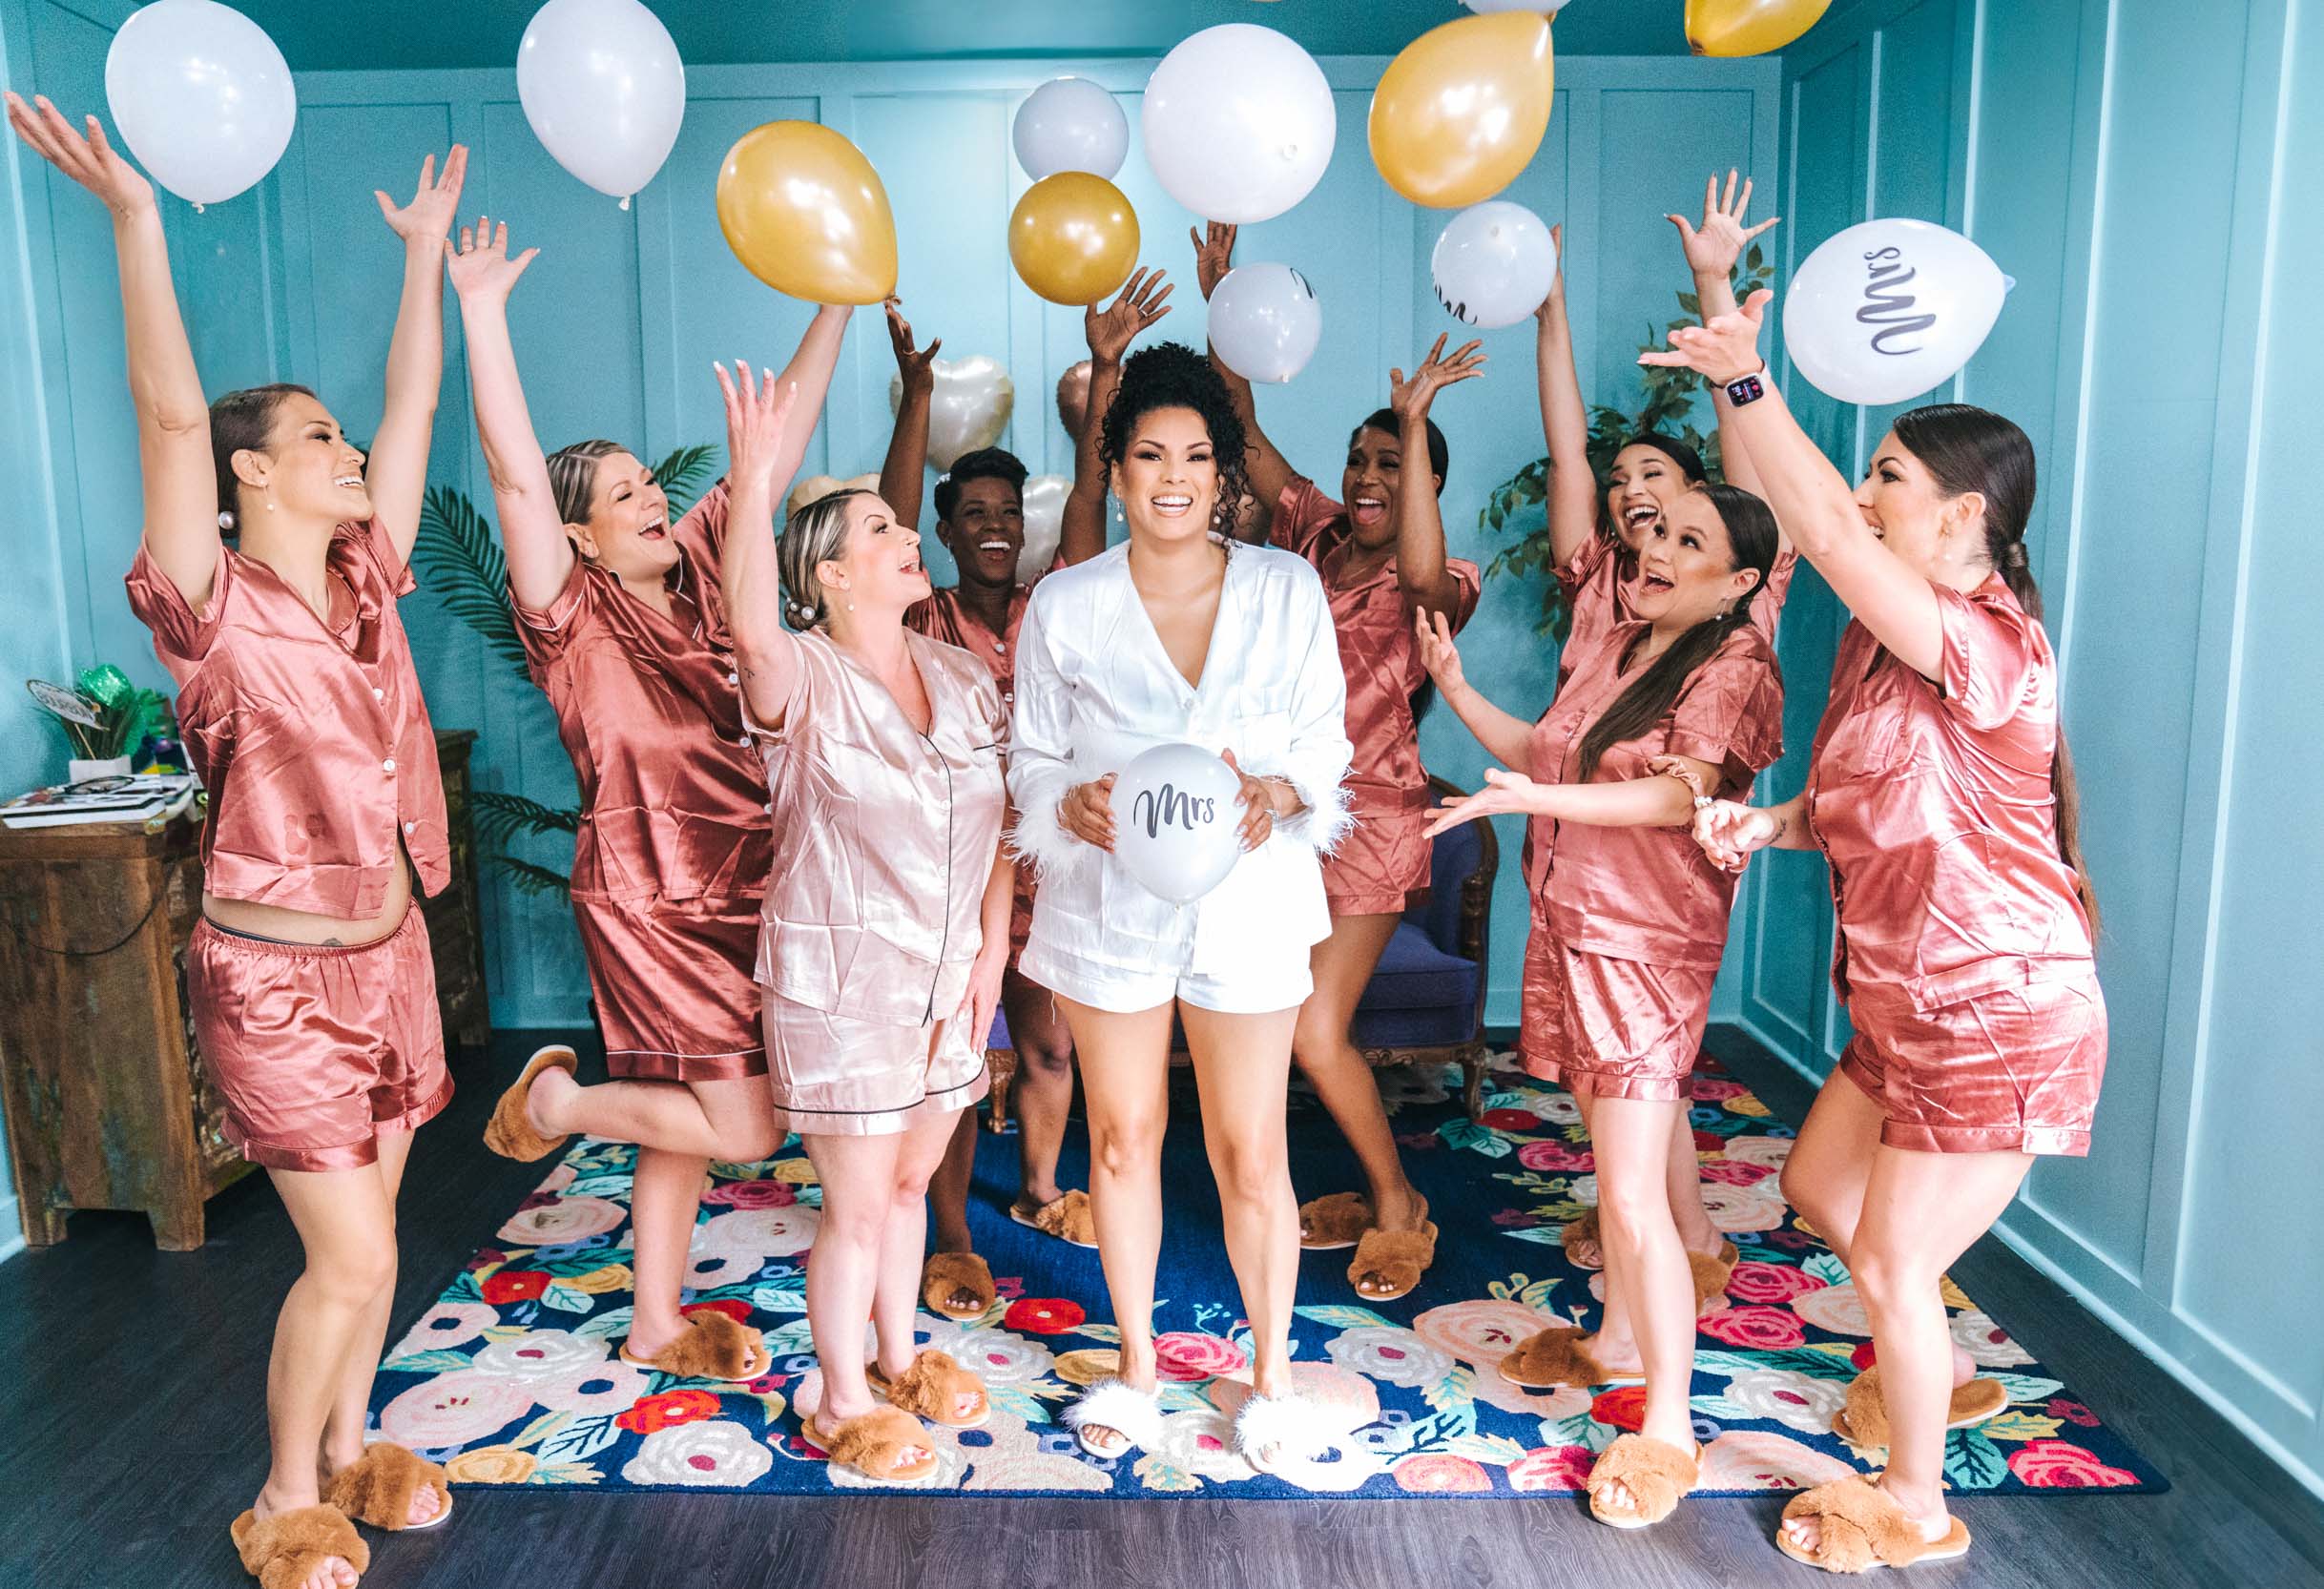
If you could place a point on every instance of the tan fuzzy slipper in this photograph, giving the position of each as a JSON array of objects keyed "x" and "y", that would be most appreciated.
[
  {"x": 1583, "y": 1231},
  {"x": 874, "y": 1445},
  {"x": 932, "y": 1389},
  {"x": 1657, "y": 1474},
  {"x": 714, "y": 1346},
  {"x": 1067, "y": 1218},
  {"x": 1556, "y": 1356},
  {"x": 376, "y": 1488},
  {"x": 1863, "y": 1421},
  {"x": 1860, "y": 1527},
  {"x": 946, "y": 1275},
  {"x": 508, "y": 1133},
  {"x": 1338, "y": 1220},
  {"x": 285, "y": 1549},
  {"x": 1711, "y": 1276},
  {"x": 1398, "y": 1257}
]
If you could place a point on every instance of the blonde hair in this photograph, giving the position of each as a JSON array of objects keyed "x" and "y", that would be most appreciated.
[{"x": 813, "y": 535}]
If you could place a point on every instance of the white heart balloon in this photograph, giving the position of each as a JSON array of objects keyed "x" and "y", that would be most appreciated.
[
  {"x": 1887, "y": 310},
  {"x": 1070, "y": 124},
  {"x": 1239, "y": 123},
  {"x": 1176, "y": 823},
  {"x": 604, "y": 88},
  {"x": 974, "y": 397},
  {"x": 1264, "y": 322},
  {"x": 820, "y": 486},
  {"x": 1045, "y": 498},
  {"x": 202, "y": 97},
  {"x": 1493, "y": 264}
]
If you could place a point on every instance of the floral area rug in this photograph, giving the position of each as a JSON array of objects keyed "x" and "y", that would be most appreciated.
[{"x": 512, "y": 1377}]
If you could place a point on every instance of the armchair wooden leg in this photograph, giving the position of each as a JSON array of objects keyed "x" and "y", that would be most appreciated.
[
  {"x": 1473, "y": 1062},
  {"x": 1002, "y": 1063}
]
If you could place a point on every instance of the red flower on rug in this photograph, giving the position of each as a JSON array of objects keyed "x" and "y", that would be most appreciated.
[
  {"x": 733, "y": 1306},
  {"x": 2062, "y": 1465},
  {"x": 1510, "y": 1120},
  {"x": 1734, "y": 1172},
  {"x": 1043, "y": 1315},
  {"x": 1710, "y": 1089},
  {"x": 2070, "y": 1412},
  {"x": 1754, "y": 1281},
  {"x": 1755, "y": 1329},
  {"x": 1624, "y": 1407},
  {"x": 1556, "y": 1155},
  {"x": 1439, "y": 1474},
  {"x": 1710, "y": 1142},
  {"x": 753, "y": 1194},
  {"x": 513, "y": 1285},
  {"x": 1552, "y": 1468},
  {"x": 668, "y": 1410},
  {"x": 1863, "y": 1356}
]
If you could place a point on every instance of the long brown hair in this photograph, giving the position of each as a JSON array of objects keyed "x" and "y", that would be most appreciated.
[
  {"x": 1964, "y": 449},
  {"x": 1751, "y": 541}
]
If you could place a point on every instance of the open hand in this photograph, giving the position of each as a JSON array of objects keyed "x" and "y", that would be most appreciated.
[
  {"x": 427, "y": 220},
  {"x": 1087, "y": 812},
  {"x": 1411, "y": 398},
  {"x": 1260, "y": 799},
  {"x": 1142, "y": 301},
  {"x": 480, "y": 267},
  {"x": 1504, "y": 792},
  {"x": 916, "y": 364},
  {"x": 756, "y": 414},
  {"x": 1724, "y": 350},
  {"x": 1438, "y": 653},
  {"x": 1713, "y": 247},
  {"x": 86, "y": 157},
  {"x": 1214, "y": 255}
]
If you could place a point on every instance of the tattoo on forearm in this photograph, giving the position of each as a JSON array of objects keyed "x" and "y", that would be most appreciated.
[{"x": 1783, "y": 825}]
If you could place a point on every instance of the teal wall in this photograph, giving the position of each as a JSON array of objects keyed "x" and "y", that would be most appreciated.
[{"x": 2146, "y": 171}]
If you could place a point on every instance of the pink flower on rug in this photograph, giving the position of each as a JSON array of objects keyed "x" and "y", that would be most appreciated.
[
  {"x": 1754, "y": 1281},
  {"x": 1440, "y": 1475},
  {"x": 1552, "y": 1468},
  {"x": 1187, "y": 1356},
  {"x": 1482, "y": 1331},
  {"x": 1712, "y": 1089},
  {"x": 753, "y": 1194},
  {"x": 1518, "y": 1218},
  {"x": 563, "y": 1219},
  {"x": 1734, "y": 1172},
  {"x": 1043, "y": 1315},
  {"x": 2071, "y": 1412},
  {"x": 1556, "y": 1155},
  {"x": 2062, "y": 1465},
  {"x": 1761, "y": 1459},
  {"x": 1753, "y": 1328},
  {"x": 446, "y": 1325}
]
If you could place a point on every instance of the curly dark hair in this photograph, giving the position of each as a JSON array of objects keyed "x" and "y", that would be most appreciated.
[{"x": 1171, "y": 375}]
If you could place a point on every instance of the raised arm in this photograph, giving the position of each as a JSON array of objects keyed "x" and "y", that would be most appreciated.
[
  {"x": 180, "y": 481},
  {"x": 906, "y": 467},
  {"x": 1506, "y": 739},
  {"x": 1711, "y": 250},
  {"x": 1267, "y": 470},
  {"x": 757, "y": 426},
  {"x": 1142, "y": 301},
  {"x": 396, "y": 475},
  {"x": 1420, "y": 574},
  {"x": 1811, "y": 498},
  {"x": 540, "y": 553},
  {"x": 810, "y": 371},
  {"x": 1573, "y": 487}
]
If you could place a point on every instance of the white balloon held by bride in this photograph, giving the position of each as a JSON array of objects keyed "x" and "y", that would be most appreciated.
[
  {"x": 604, "y": 88},
  {"x": 1265, "y": 321},
  {"x": 1178, "y": 825},
  {"x": 1887, "y": 310},
  {"x": 1239, "y": 123},
  {"x": 1493, "y": 264},
  {"x": 1070, "y": 124},
  {"x": 202, "y": 97},
  {"x": 969, "y": 409}
]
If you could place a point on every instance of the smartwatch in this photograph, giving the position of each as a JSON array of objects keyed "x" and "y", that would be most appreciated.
[{"x": 1749, "y": 388}]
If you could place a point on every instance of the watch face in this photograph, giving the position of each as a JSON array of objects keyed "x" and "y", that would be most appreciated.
[{"x": 1746, "y": 390}]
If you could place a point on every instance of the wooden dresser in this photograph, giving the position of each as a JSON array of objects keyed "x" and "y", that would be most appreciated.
[{"x": 106, "y": 1100}]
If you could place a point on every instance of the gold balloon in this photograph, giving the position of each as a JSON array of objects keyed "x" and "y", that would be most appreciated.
[
  {"x": 1459, "y": 112},
  {"x": 803, "y": 208},
  {"x": 1749, "y": 27},
  {"x": 1073, "y": 237}
]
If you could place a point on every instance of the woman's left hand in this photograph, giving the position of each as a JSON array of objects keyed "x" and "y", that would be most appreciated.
[
  {"x": 1409, "y": 399},
  {"x": 984, "y": 994},
  {"x": 1504, "y": 792},
  {"x": 427, "y": 220},
  {"x": 756, "y": 414},
  {"x": 1726, "y": 349},
  {"x": 1263, "y": 802}
]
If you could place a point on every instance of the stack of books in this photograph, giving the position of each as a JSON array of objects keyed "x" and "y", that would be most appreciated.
[{"x": 141, "y": 798}]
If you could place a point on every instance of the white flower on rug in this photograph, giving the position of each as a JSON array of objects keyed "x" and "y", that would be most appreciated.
[
  {"x": 446, "y": 1325},
  {"x": 1770, "y": 1151},
  {"x": 1795, "y": 1400},
  {"x": 540, "y": 1354},
  {"x": 454, "y": 1408},
  {"x": 1393, "y": 1356},
  {"x": 1761, "y": 1459},
  {"x": 1202, "y": 1443},
  {"x": 951, "y": 1463},
  {"x": 708, "y": 1271},
  {"x": 763, "y": 1232},
  {"x": 1015, "y": 1460},
  {"x": 1987, "y": 1347},
  {"x": 1551, "y": 1407},
  {"x": 568, "y": 1219},
  {"x": 714, "y": 1455},
  {"x": 1585, "y": 1189},
  {"x": 1736, "y": 1210},
  {"x": 1838, "y": 1308},
  {"x": 1557, "y": 1108},
  {"x": 610, "y": 1386},
  {"x": 559, "y": 1178},
  {"x": 999, "y": 1357}
]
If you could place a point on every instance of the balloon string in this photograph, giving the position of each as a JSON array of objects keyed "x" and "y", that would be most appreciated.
[
  {"x": 624, "y": 202},
  {"x": 198, "y": 209}
]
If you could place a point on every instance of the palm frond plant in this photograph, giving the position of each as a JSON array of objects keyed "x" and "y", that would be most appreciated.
[
  {"x": 1668, "y": 407},
  {"x": 458, "y": 554}
]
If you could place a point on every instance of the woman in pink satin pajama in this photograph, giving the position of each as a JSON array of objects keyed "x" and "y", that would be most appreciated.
[
  {"x": 269, "y": 565},
  {"x": 625, "y": 630},
  {"x": 1630, "y": 920},
  {"x": 1943, "y": 801},
  {"x": 1380, "y": 550}
]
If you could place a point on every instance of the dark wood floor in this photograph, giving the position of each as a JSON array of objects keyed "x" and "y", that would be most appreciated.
[{"x": 132, "y": 1430}]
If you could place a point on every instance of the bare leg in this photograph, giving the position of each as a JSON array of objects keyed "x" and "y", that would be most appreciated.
[
  {"x": 1646, "y": 1266},
  {"x": 1043, "y": 1095},
  {"x": 947, "y": 1194},
  {"x": 896, "y": 1292},
  {"x": 1242, "y": 1063},
  {"x": 859, "y": 1177},
  {"x": 1694, "y": 1220},
  {"x": 665, "y": 1194},
  {"x": 1125, "y": 1071},
  {"x": 734, "y": 1120}
]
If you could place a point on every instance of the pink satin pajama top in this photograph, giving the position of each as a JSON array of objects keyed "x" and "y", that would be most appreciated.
[
  {"x": 944, "y": 617},
  {"x": 1932, "y": 803},
  {"x": 310, "y": 736},
  {"x": 1639, "y": 893},
  {"x": 884, "y": 836},
  {"x": 674, "y": 798}
]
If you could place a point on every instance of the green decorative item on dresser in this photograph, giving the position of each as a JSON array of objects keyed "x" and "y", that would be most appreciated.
[
  {"x": 458, "y": 553},
  {"x": 1668, "y": 407},
  {"x": 103, "y": 714}
]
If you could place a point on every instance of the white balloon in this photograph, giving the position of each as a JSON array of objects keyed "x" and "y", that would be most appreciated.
[
  {"x": 1493, "y": 264},
  {"x": 1045, "y": 495},
  {"x": 1176, "y": 823},
  {"x": 1548, "y": 8},
  {"x": 604, "y": 88},
  {"x": 1070, "y": 124},
  {"x": 1888, "y": 309},
  {"x": 1239, "y": 123},
  {"x": 1265, "y": 321},
  {"x": 974, "y": 397},
  {"x": 202, "y": 97}
]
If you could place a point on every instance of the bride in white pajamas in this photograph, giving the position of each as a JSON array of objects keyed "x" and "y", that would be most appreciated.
[{"x": 1180, "y": 634}]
